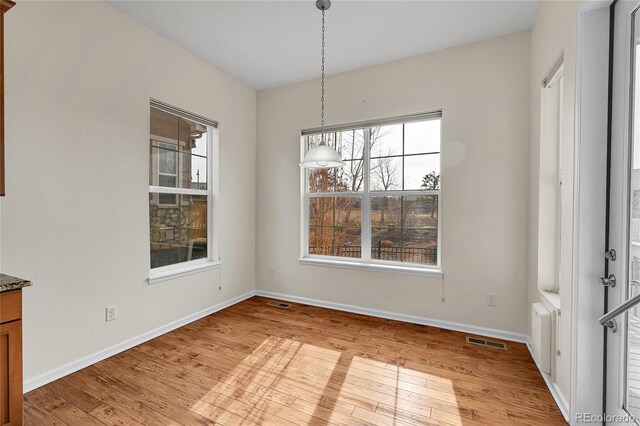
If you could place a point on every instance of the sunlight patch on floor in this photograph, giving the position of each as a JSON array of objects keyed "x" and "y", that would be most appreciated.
[
  {"x": 442, "y": 398},
  {"x": 263, "y": 380},
  {"x": 320, "y": 382}
]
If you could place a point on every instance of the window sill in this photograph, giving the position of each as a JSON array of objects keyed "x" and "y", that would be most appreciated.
[
  {"x": 552, "y": 299},
  {"x": 411, "y": 270},
  {"x": 156, "y": 277}
]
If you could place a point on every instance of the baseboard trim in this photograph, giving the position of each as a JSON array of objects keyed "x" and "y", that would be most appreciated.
[
  {"x": 556, "y": 393},
  {"x": 57, "y": 373},
  {"x": 465, "y": 328}
]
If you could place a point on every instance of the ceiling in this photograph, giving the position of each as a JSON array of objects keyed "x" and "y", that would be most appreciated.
[{"x": 273, "y": 43}]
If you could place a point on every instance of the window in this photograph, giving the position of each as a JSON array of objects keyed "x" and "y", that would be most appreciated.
[
  {"x": 555, "y": 222},
  {"x": 181, "y": 189},
  {"x": 382, "y": 208}
]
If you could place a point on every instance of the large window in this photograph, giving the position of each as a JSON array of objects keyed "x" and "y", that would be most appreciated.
[
  {"x": 383, "y": 207},
  {"x": 181, "y": 192}
]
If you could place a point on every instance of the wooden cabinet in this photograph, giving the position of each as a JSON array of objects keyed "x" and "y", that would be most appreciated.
[
  {"x": 5, "y": 5},
  {"x": 11, "y": 358}
]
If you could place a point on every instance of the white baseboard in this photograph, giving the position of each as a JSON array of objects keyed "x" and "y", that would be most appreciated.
[
  {"x": 556, "y": 393},
  {"x": 57, "y": 373},
  {"x": 455, "y": 326}
]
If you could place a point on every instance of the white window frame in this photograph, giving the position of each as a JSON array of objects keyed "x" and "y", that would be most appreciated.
[
  {"x": 366, "y": 262},
  {"x": 212, "y": 261}
]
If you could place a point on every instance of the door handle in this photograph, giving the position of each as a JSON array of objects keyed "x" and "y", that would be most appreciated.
[
  {"x": 610, "y": 254},
  {"x": 609, "y": 281}
]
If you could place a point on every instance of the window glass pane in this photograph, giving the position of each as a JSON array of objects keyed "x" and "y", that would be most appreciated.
[
  {"x": 199, "y": 140},
  {"x": 198, "y": 172},
  {"x": 167, "y": 199},
  {"x": 335, "y": 226},
  {"x": 386, "y": 228},
  {"x": 167, "y": 181},
  {"x": 420, "y": 229},
  {"x": 193, "y": 171},
  {"x": 405, "y": 229},
  {"x": 198, "y": 159},
  {"x": 350, "y": 144},
  {"x": 416, "y": 167},
  {"x": 422, "y": 137},
  {"x": 349, "y": 178},
  {"x": 164, "y": 125},
  {"x": 386, "y": 174},
  {"x": 178, "y": 148},
  {"x": 167, "y": 158},
  {"x": 322, "y": 180},
  {"x": 386, "y": 140},
  {"x": 178, "y": 232}
]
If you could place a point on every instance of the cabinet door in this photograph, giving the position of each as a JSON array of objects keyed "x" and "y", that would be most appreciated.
[{"x": 11, "y": 373}]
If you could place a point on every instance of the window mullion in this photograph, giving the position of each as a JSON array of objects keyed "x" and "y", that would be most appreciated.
[
  {"x": 365, "y": 235},
  {"x": 181, "y": 191}
]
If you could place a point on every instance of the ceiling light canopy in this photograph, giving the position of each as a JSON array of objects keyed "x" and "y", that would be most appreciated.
[{"x": 322, "y": 156}]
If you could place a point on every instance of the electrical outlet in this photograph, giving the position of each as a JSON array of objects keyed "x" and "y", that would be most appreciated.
[
  {"x": 272, "y": 272},
  {"x": 491, "y": 300},
  {"x": 112, "y": 313}
]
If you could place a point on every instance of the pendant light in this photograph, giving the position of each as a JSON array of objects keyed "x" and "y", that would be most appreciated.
[{"x": 322, "y": 156}]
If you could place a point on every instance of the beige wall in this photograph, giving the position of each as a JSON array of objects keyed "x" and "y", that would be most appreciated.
[
  {"x": 554, "y": 31},
  {"x": 483, "y": 90},
  {"x": 75, "y": 220},
  {"x": 79, "y": 76}
]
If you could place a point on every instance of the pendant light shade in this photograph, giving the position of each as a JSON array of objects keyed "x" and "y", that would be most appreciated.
[{"x": 322, "y": 156}]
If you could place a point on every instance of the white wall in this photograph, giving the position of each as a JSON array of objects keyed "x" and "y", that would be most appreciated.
[
  {"x": 483, "y": 90},
  {"x": 79, "y": 76},
  {"x": 553, "y": 32}
]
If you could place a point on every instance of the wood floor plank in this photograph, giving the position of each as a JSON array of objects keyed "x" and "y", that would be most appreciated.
[
  {"x": 254, "y": 364},
  {"x": 37, "y": 415},
  {"x": 75, "y": 396},
  {"x": 138, "y": 409},
  {"x": 112, "y": 417},
  {"x": 72, "y": 415}
]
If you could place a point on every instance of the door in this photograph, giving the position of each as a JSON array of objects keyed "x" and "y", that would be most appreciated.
[
  {"x": 623, "y": 345},
  {"x": 11, "y": 373}
]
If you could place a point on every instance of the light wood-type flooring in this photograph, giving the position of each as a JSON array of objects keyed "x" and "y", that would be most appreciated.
[{"x": 254, "y": 364}]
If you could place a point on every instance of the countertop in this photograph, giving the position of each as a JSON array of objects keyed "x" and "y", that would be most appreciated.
[{"x": 8, "y": 283}]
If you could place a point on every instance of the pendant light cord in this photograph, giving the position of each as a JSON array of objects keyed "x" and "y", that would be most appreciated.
[{"x": 322, "y": 141}]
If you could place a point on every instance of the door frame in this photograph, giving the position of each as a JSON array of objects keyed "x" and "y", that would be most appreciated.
[{"x": 590, "y": 176}]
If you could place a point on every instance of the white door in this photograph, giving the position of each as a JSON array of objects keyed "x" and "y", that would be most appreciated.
[{"x": 623, "y": 345}]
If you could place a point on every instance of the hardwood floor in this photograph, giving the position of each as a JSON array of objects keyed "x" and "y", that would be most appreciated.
[{"x": 257, "y": 364}]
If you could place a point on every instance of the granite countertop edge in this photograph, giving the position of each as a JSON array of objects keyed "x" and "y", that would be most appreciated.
[{"x": 8, "y": 283}]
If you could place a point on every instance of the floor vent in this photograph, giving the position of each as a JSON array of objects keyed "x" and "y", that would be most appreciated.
[
  {"x": 279, "y": 304},
  {"x": 482, "y": 342}
]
